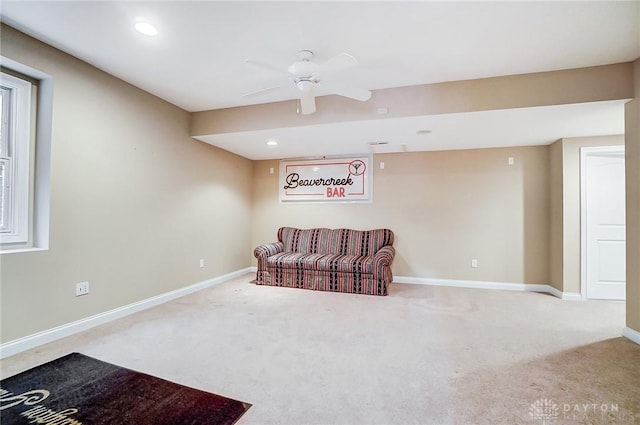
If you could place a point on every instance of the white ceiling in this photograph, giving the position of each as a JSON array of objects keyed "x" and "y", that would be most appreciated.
[{"x": 197, "y": 60}]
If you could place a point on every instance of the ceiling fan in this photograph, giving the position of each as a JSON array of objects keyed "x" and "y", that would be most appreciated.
[{"x": 306, "y": 75}]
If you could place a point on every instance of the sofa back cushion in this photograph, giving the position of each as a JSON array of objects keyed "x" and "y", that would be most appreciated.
[{"x": 334, "y": 241}]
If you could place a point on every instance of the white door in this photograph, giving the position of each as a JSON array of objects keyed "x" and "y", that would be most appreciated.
[{"x": 605, "y": 225}]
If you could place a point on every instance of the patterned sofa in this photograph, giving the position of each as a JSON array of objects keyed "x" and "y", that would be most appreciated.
[{"x": 339, "y": 260}]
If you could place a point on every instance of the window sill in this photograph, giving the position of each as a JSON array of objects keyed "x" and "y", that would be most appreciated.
[{"x": 19, "y": 250}]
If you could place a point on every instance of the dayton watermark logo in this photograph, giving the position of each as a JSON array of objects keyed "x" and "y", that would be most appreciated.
[
  {"x": 587, "y": 412},
  {"x": 544, "y": 410},
  {"x": 547, "y": 412}
]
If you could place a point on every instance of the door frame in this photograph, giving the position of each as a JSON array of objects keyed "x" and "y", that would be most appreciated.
[{"x": 584, "y": 153}]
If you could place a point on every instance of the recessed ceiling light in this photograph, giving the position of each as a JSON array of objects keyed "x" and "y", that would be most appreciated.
[
  {"x": 423, "y": 132},
  {"x": 272, "y": 143},
  {"x": 144, "y": 27}
]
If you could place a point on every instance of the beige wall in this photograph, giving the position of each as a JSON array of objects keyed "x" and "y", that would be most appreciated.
[
  {"x": 565, "y": 209},
  {"x": 632, "y": 168},
  {"x": 445, "y": 209},
  {"x": 135, "y": 202}
]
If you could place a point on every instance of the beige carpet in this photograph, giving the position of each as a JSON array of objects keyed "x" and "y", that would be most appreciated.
[{"x": 422, "y": 355}]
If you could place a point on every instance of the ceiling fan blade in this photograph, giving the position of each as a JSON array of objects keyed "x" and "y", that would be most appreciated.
[
  {"x": 356, "y": 93},
  {"x": 265, "y": 65},
  {"x": 261, "y": 92},
  {"x": 307, "y": 102},
  {"x": 338, "y": 63}
]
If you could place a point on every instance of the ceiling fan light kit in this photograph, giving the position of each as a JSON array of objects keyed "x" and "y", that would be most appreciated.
[
  {"x": 304, "y": 85},
  {"x": 305, "y": 75}
]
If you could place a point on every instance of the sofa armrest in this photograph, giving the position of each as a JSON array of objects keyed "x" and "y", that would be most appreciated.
[
  {"x": 382, "y": 261},
  {"x": 262, "y": 252}
]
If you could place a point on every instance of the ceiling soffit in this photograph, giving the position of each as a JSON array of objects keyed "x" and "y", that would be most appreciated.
[{"x": 582, "y": 85}]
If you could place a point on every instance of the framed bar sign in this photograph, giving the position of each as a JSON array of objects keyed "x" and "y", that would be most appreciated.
[{"x": 343, "y": 179}]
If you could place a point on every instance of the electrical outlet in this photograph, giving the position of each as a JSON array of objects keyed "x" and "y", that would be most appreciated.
[
  {"x": 201, "y": 262},
  {"x": 82, "y": 288},
  {"x": 474, "y": 263}
]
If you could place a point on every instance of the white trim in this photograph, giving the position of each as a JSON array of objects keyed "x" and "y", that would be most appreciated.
[
  {"x": 584, "y": 152},
  {"x": 506, "y": 286},
  {"x": 22, "y": 344},
  {"x": 567, "y": 296},
  {"x": 19, "y": 146},
  {"x": 631, "y": 334},
  {"x": 19, "y": 250},
  {"x": 571, "y": 296},
  {"x": 42, "y": 184}
]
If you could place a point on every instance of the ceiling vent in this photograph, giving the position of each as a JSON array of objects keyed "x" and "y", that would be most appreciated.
[{"x": 386, "y": 147}]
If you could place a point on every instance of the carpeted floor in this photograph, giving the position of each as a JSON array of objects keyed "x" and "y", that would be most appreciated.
[{"x": 422, "y": 355}]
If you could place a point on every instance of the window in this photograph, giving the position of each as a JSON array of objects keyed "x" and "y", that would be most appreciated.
[
  {"x": 26, "y": 110},
  {"x": 15, "y": 142}
]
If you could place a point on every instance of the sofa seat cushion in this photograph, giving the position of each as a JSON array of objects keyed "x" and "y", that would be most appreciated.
[{"x": 324, "y": 262}]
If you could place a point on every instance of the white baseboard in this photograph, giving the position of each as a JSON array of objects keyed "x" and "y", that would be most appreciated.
[
  {"x": 529, "y": 287},
  {"x": 22, "y": 344},
  {"x": 555, "y": 292},
  {"x": 570, "y": 296},
  {"x": 631, "y": 334}
]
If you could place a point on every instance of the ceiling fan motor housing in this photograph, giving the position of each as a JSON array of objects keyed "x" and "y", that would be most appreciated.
[{"x": 303, "y": 69}]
